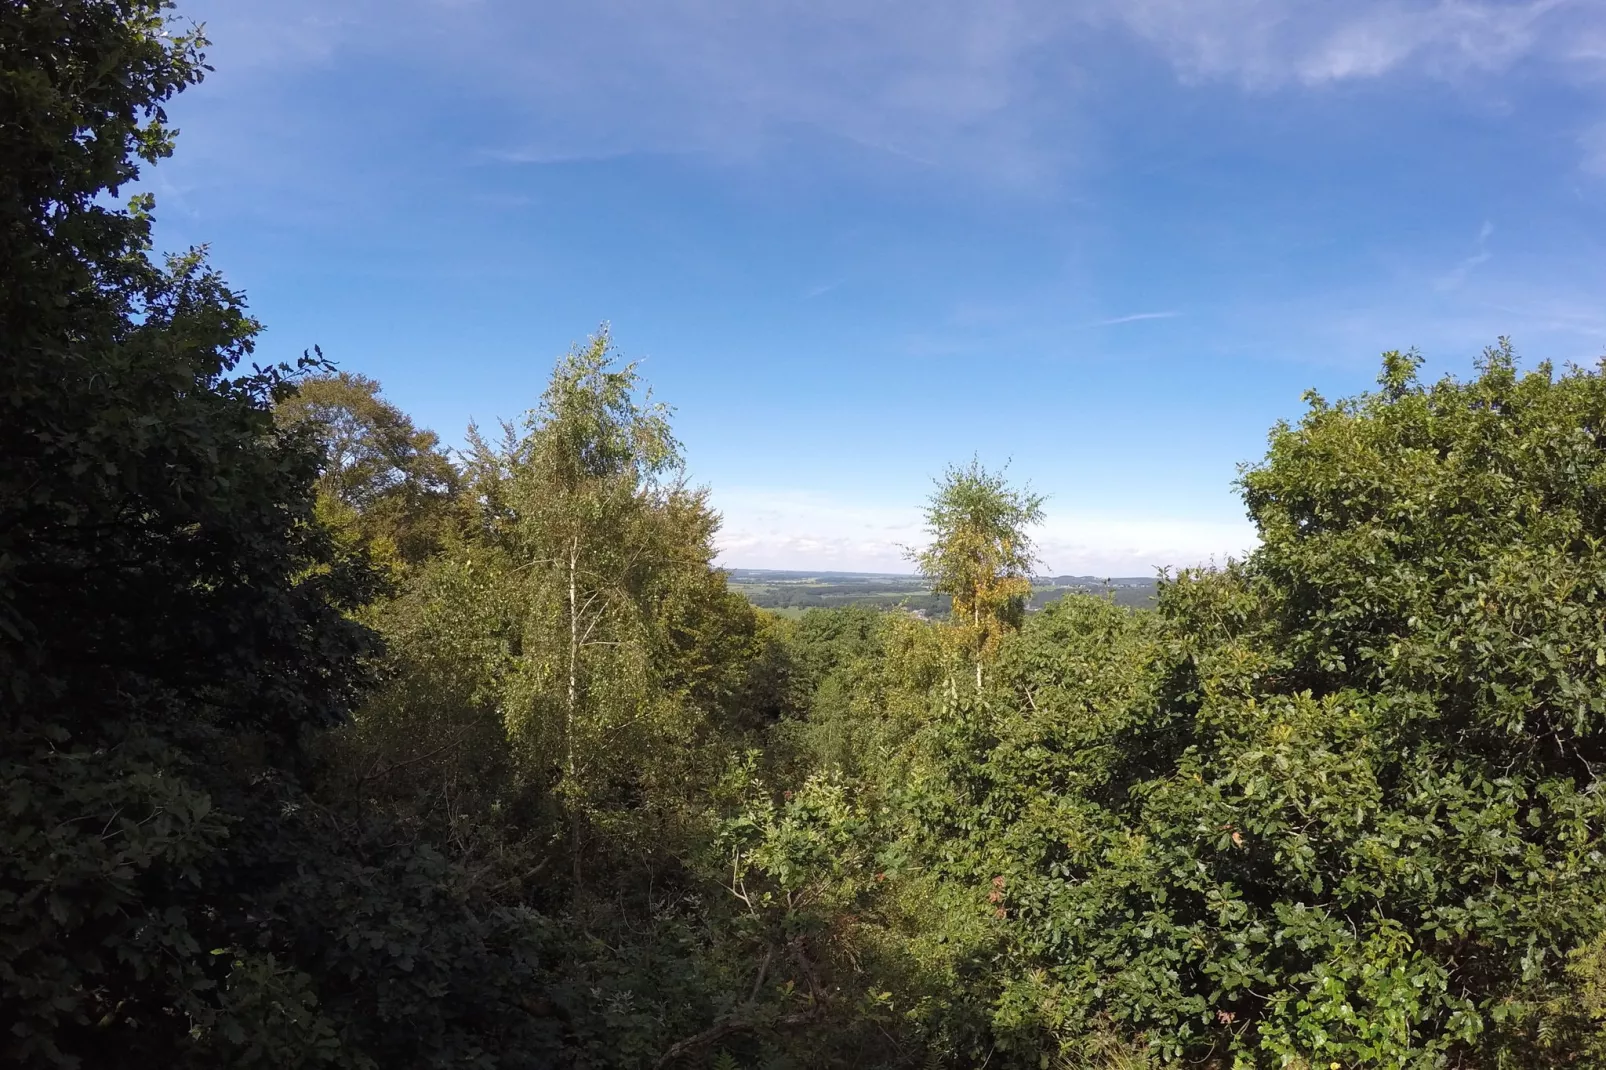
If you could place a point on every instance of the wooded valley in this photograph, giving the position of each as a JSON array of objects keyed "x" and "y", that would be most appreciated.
[{"x": 322, "y": 745}]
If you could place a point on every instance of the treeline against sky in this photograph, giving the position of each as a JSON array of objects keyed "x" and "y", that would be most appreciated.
[{"x": 324, "y": 746}]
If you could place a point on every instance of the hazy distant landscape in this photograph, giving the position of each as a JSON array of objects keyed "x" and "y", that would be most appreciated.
[{"x": 791, "y": 593}]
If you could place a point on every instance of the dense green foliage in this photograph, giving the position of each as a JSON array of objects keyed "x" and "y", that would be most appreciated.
[
  {"x": 385, "y": 485},
  {"x": 321, "y": 745},
  {"x": 1336, "y": 803},
  {"x": 175, "y": 633}
]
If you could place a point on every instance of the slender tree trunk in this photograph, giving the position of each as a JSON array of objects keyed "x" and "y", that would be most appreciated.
[
  {"x": 976, "y": 617},
  {"x": 574, "y": 698}
]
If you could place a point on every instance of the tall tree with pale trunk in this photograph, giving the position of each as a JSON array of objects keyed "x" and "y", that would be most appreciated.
[{"x": 591, "y": 507}]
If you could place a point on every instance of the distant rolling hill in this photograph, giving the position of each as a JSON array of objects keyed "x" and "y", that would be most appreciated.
[{"x": 794, "y": 591}]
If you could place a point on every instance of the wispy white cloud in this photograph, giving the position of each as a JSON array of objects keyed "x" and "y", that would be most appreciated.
[
  {"x": 931, "y": 83},
  {"x": 769, "y": 528},
  {"x": 541, "y": 156},
  {"x": 992, "y": 89},
  {"x": 1137, "y": 317},
  {"x": 799, "y": 529},
  {"x": 1457, "y": 276},
  {"x": 821, "y": 290},
  {"x": 1267, "y": 43},
  {"x": 1137, "y": 546}
]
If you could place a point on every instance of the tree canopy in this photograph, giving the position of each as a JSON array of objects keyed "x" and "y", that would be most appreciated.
[
  {"x": 386, "y": 482},
  {"x": 323, "y": 745}
]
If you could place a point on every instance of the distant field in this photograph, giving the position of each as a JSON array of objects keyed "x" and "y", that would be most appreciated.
[{"x": 793, "y": 592}]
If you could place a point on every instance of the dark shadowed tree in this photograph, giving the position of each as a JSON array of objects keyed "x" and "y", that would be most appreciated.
[{"x": 175, "y": 625}]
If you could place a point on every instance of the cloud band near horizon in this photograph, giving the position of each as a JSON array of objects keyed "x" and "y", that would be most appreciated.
[{"x": 807, "y": 530}]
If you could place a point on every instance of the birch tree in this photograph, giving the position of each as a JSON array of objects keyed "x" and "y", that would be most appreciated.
[{"x": 589, "y": 502}]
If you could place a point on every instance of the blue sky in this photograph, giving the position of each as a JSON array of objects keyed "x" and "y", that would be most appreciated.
[{"x": 1108, "y": 241}]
